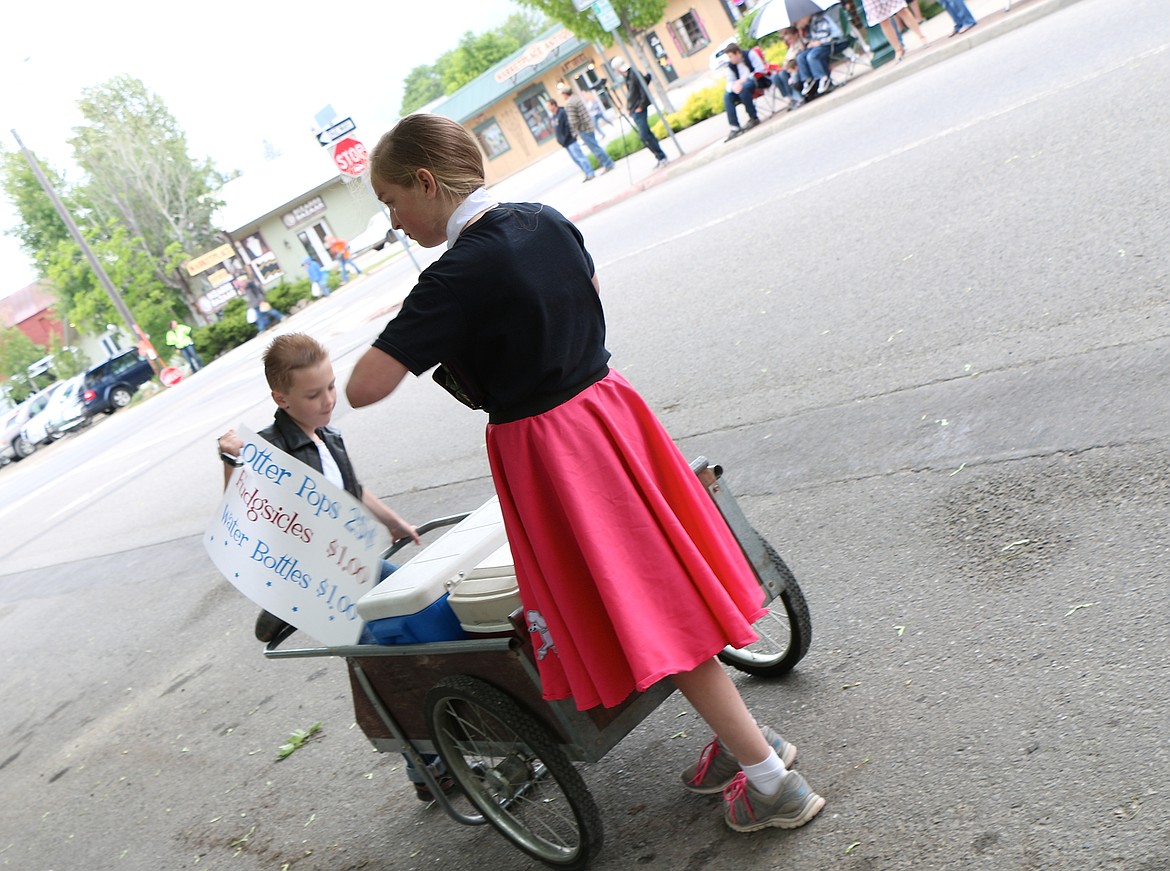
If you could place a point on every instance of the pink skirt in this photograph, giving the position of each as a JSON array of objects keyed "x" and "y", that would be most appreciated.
[
  {"x": 627, "y": 571},
  {"x": 877, "y": 11}
]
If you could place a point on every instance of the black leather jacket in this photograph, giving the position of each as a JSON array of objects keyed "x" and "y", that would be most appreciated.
[{"x": 290, "y": 438}]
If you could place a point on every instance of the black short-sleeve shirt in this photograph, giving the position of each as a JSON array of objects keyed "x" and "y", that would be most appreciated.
[{"x": 511, "y": 304}]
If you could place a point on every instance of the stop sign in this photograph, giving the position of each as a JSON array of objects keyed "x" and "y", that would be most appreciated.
[{"x": 351, "y": 157}]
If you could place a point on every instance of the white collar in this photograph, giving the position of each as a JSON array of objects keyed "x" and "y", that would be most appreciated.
[{"x": 479, "y": 200}]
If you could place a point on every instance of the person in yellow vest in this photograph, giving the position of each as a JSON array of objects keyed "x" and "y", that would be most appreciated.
[{"x": 179, "y": 336}]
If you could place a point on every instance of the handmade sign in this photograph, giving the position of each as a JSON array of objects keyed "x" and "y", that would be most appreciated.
[{"x": 296, "y": 544}]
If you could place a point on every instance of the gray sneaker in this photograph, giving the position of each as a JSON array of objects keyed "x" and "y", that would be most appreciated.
[
  {"x": 749, "y": 811},
  {"x": 717, "y": 767}
]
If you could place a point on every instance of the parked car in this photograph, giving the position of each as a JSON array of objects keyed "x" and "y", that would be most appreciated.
[
  {"x": 16, "y": 446},
  {"x": 376, "y": 235},
  {"x": 65, "y": 411},
  {"x": 12, "y": 446},
  {"x": 112, "y": 384}
]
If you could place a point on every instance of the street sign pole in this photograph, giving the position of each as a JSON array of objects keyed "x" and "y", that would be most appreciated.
[{"x": 353, "y": 161}]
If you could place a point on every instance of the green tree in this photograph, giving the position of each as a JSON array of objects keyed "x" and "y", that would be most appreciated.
[
  {"x": 421, "y": 85},
  {"x": 144, "y": 206},
  {"x": 41, "y": 228},
  {"x": 474, "y": 55},
  {"x": 141, "y": 175},
  {"x": 131, "y": 269},
  {"x": 634, "y": 14},
  {"x": 17, "y": 353}
]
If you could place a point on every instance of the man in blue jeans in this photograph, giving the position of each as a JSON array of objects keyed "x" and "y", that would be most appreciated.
[
  {"x": 581, "y": 124},
  {"x": 823, "y": 37},
  {"x": 637, "y": 102},
  {"x": 741, "y": 88},
  {"x": 564, "y": 133},
  {"x": 960, "y": 14}
]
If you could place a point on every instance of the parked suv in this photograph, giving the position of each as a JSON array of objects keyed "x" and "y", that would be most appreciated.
[{"x": 112, "y": 384}]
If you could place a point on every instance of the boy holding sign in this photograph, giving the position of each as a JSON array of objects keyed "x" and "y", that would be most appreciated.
[{"x": 300, "y": 375}]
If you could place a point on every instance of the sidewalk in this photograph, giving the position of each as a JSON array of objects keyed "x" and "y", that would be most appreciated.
[{"x": 556, "y": 181}]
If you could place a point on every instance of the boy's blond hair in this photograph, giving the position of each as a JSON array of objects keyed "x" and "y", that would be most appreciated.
[{"x": 288, "y": 353}]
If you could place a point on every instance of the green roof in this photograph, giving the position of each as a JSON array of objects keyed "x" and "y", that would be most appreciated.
[{"x": 514, "y": 73}]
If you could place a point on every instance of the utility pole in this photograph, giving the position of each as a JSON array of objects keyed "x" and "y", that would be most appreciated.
[{"x": 71, "y": 225}]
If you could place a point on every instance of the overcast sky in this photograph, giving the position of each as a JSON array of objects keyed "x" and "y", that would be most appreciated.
[{"x": 232, "y": 74}]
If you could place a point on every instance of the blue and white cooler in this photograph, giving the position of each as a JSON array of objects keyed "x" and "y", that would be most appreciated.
[{"x": 411, "y": 606}]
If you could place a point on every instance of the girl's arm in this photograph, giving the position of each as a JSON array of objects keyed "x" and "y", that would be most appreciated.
[{"x": 374, "y": 377}]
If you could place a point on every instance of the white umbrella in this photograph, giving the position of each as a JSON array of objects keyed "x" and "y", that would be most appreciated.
[{"x": 778, "y": 14}]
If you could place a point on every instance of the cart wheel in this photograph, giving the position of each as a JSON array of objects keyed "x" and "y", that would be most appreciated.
[
  {"x": 510, "y": 767},
  {"x": 784, "y": 638}
]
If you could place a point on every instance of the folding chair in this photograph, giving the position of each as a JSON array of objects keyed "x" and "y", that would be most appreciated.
[
  {"x": 764, "y": 85},
  {"x": 849, "y": 55}
]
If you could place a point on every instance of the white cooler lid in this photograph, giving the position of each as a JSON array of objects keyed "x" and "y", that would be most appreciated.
[
  {"x": 498, "y": 565},
  {"x": 439, "y": 565}
]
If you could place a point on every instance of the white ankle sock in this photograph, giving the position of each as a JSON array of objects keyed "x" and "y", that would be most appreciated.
[{"x": 766, "y": 777}]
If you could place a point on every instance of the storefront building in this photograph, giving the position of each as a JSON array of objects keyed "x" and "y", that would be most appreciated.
[{"x": 505, "y": 108}]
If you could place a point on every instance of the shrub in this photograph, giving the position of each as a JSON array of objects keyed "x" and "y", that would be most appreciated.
[
  {"x": 699, "y": 106},
  {"x": 624, "y": 146},
  {"x": 231, "y": 330},
  {"x": 287, "y": 294}
]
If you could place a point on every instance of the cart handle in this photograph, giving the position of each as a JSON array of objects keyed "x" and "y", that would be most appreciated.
[{"x": 423, "y": 529}]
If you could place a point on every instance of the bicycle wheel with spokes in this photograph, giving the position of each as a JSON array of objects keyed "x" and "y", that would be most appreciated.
[
  {"x": 784, "y": 637},
  {"x": 510, "y": 767}
]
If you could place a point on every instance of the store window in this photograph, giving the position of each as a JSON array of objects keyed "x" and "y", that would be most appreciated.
[
  {"x": 689, "y": 34},
  {"x": 533, "y": 106},
  {"x": 491, "y": 139},
  {"x": 261, "y": 258}
]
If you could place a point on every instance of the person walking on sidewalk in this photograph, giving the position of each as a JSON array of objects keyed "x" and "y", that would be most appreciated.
[
  {"x": 637, "y": 102},
  {"x": 960, "y": 14},
  {"x": 317, "y": 278},
  {"x": 339, "y": 249},
  {"x": 564, "y": 133},
  {"x": 597, "y": 113},
  {"x": 883, "y": 12},
  {"x": 628, "y": 576},
  {"x": 582, "y": 125}
]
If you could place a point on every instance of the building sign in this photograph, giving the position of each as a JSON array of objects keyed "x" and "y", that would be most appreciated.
[
  {"x": 303, "y": 212},
  {"x": 533, "y": 55},
  {"x": 297, "y": 545},
  {"x": 212, "y": 258}
]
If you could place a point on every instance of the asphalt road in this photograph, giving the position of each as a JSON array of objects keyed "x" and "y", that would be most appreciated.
[{"x": 927, "y": 334}]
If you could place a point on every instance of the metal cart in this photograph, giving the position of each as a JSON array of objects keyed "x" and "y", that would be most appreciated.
[{"x": 478, "y": 705}]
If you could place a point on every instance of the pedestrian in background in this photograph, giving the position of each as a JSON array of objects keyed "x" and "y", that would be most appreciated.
[
  {"x": 637, "y": 102},
  {"x": 597, "y": 112},
  {"x": 261, "y": 312},
  {"x": 582, "y": 125},
  {"x": 179, "y": 338},
  {"x": 960, "y": 14},
  {"x": 564, "y": 134},
  {"x": 317, "y": 277},
  {"x": 882, "y": 12},
  {"x": 339, "y": 250}
]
